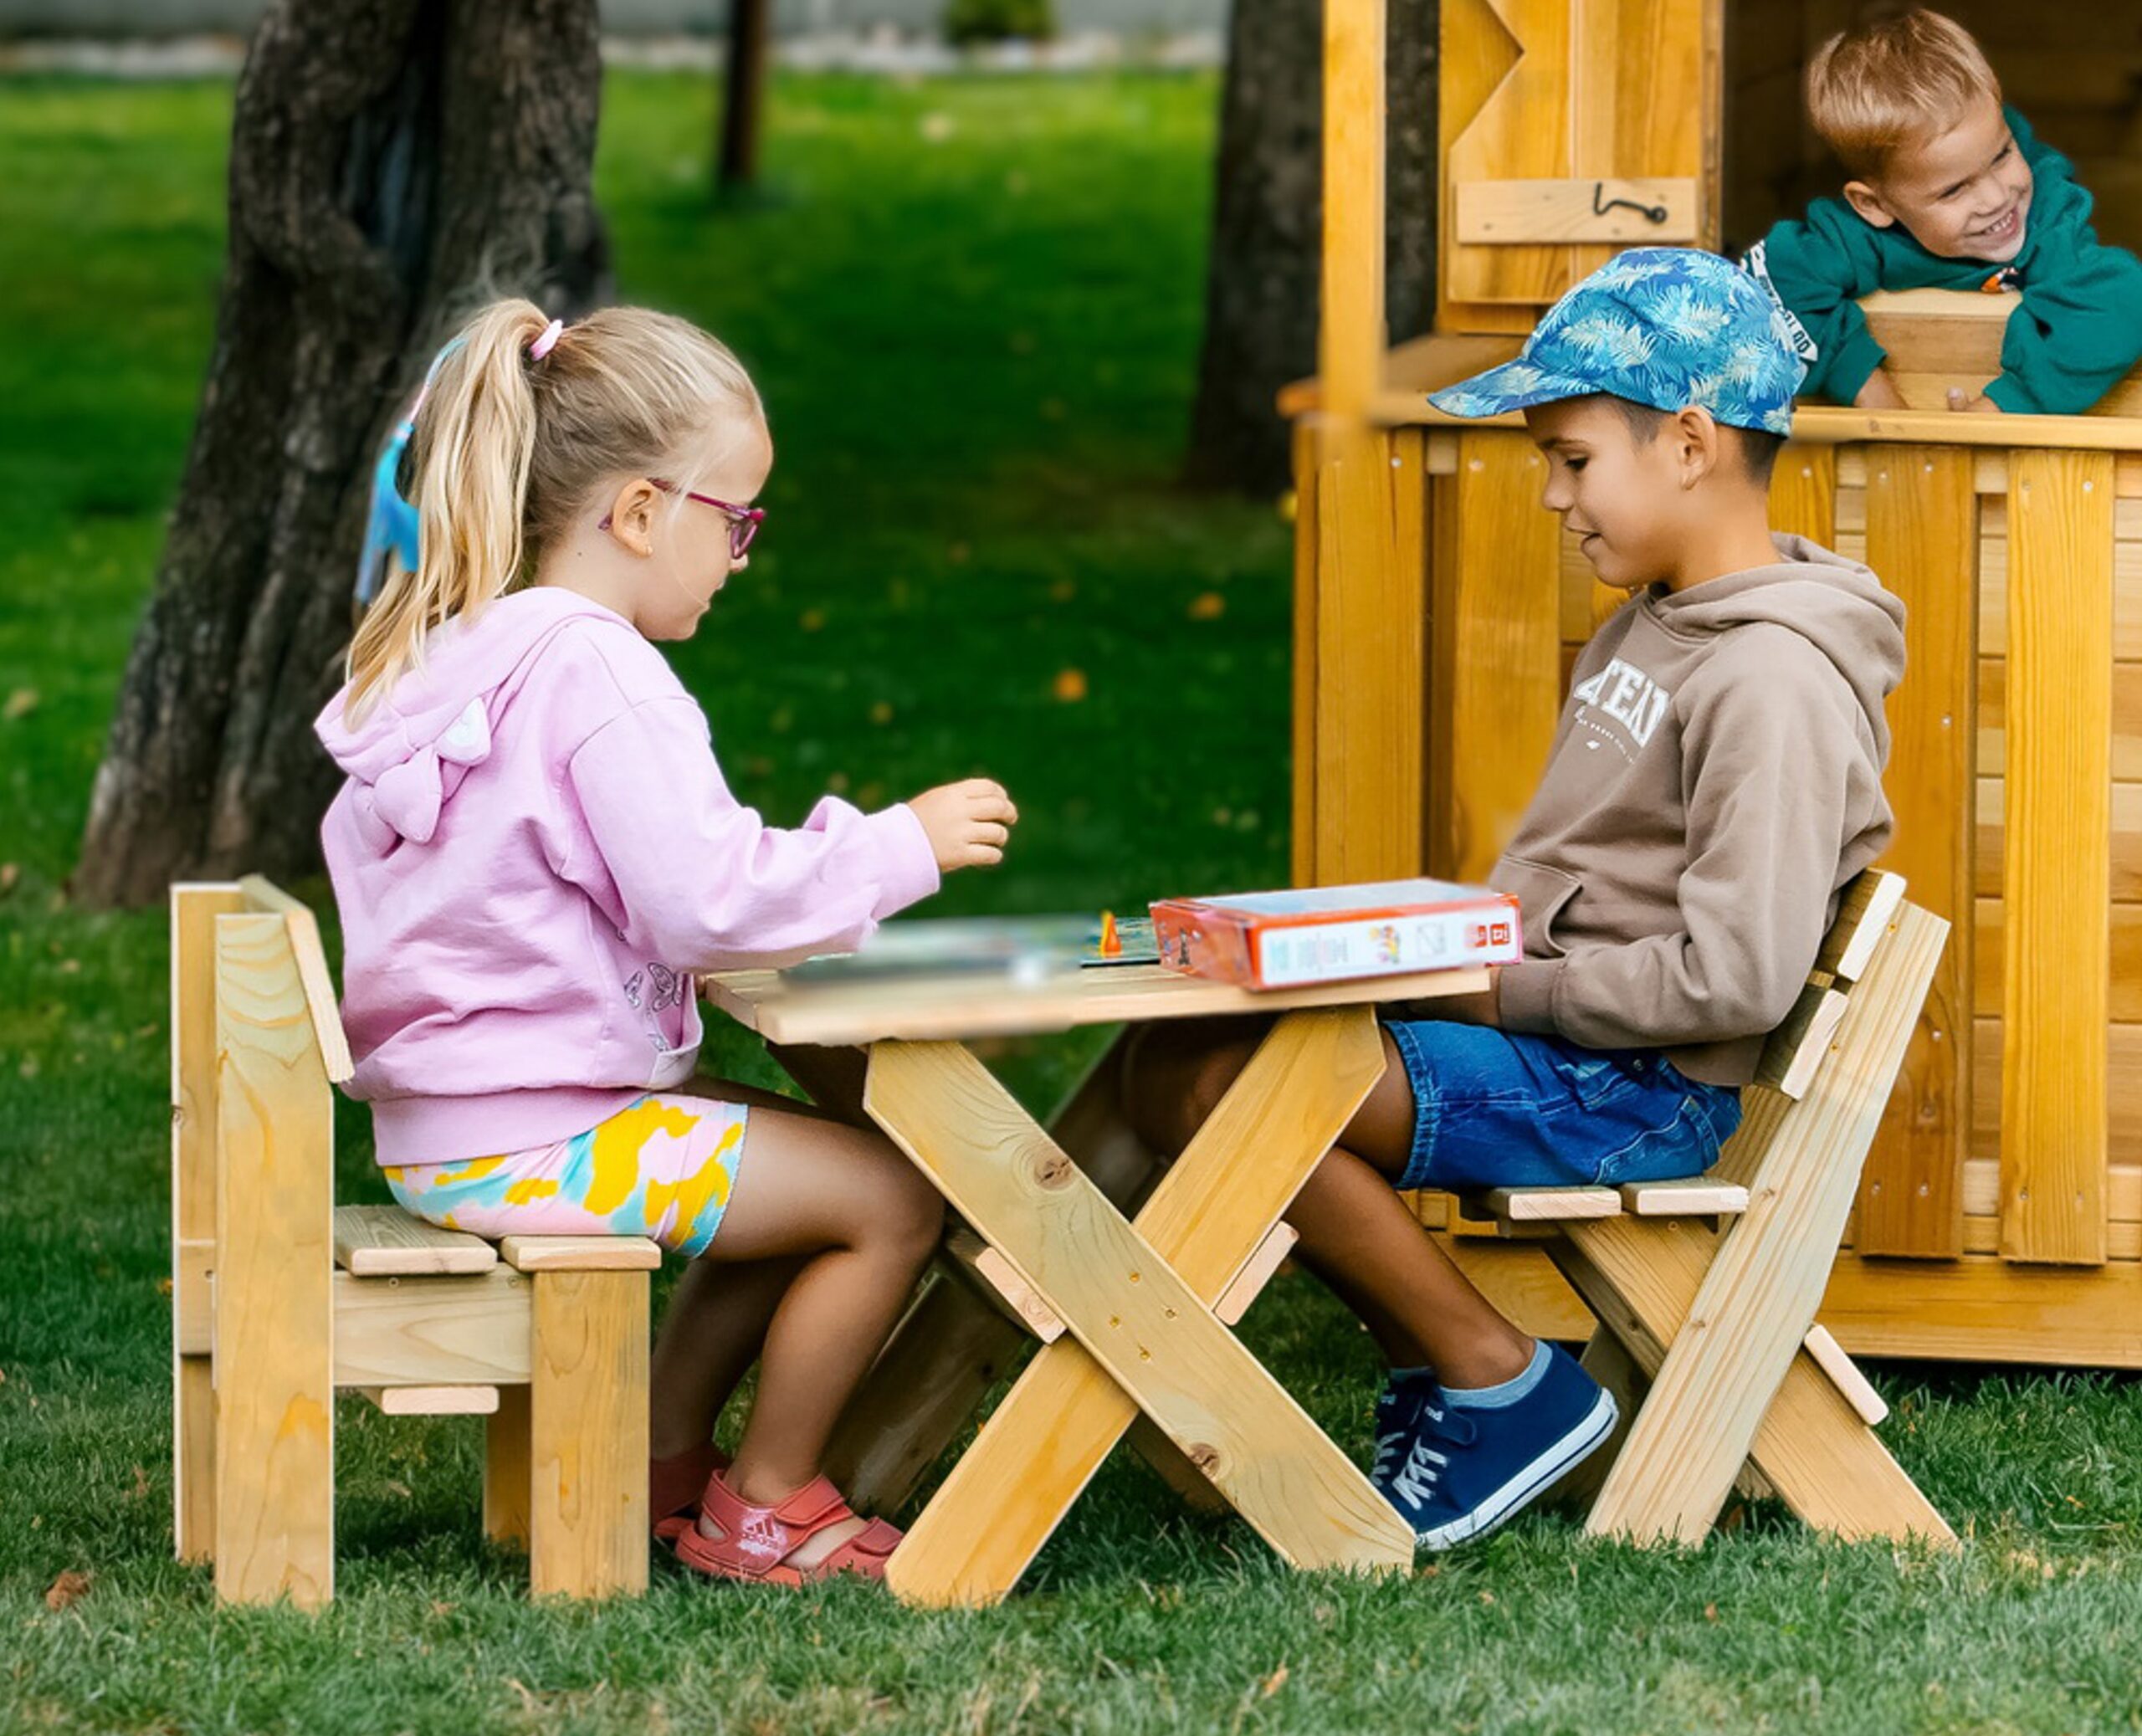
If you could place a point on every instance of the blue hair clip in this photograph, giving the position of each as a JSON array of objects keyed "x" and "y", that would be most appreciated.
[{"x": 391, "y": 524}]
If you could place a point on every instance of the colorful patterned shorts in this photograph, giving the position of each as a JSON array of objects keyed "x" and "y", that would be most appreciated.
[{"x": 662, "y": 1168}]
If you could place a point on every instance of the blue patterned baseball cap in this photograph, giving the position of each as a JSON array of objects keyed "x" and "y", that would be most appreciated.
[{"x": 1666, "y": 326}]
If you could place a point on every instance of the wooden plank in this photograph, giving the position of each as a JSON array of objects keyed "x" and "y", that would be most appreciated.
[
  {"x": 1302, "y": 837},
  {"x": 1370, "y": 639},
  {"x": 1797, "y": 1048},
  {"x": 1522, "y": 1284},
  {"x": 1479, "y": 133},
  {"x": 933, "y": 1009},
  {"x": 1804, "y": 492},
  {"x": 2126, "y": 715},
  {"x": 1758, "y": 1297},
  {"x": 2123, "y": 1188},
  {"x": 387, "y": 1241},
  {"x": 263, "y": 894},
  {"x": 1248, "y": 1283},
  {"x": 433, "y": 1400},
  {"x": 1351, "y": 335},
  {"x": 1867, "y": 911},
  {"x": 194, "y": 909},
  {"x": 1982, "y": 1235},
  {"x": 587, "y": 1520},
  {"x": 1922, "y": 537},
  {"x": 1496, "y": 693},
  {"x": 1993, "y": 551},
  {"x": 1987, "y": 1309},
  {"x": 1551, "y": 213},
  {"x": 507, "y": 1476},
  {"x": 1859, "y": 1391},
  {"x": 2124, "y": 867},
  {"x": 470, "y": 1330},
  {"x": 2121, "y": 1102},
  {"x": 2125, "y": 941},
  {"x": 193, "y": 1313},
  {"x": 1548, "y": 1204},
  {"x": 1808, "y": 1443},
  {"x": 274, "y": 1324},
  {"x": 2057, "y": 871},
  {"x": 1208, "y": 1215},
  {"x": 580, "y": 1253},
  {"x": 951, "y": 1347},
  {"x": 992, "y": 1276},
  {"x": 1696, "y": 1196}
]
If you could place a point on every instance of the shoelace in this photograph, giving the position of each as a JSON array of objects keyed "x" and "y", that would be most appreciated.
[
  {"x": 1416, "y": 1480},
  {"x": 1396, "y": 1409}
]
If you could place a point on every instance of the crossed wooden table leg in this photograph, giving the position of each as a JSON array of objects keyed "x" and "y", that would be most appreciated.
[{"x": 1136, "y": 1298}]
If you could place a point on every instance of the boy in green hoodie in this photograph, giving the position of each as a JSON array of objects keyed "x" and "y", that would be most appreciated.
[
  {"x": 1713, "y": 783},
  {"x": 1949, "y": 191}
]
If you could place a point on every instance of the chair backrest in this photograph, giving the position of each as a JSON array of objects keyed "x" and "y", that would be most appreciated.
[
  {"x": 237, "y": 1034},
  {"x": 1827, "y": 1072},
  {"x": 1866, "y": 914}
]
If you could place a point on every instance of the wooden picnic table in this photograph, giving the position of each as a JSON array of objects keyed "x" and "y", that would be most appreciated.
[{"x": 1143, "y": 1349}]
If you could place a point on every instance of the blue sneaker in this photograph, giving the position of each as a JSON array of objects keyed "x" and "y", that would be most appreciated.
[
  {"x": 1461, "y": 1470},
  {"x": 1397, "y": 1409}
]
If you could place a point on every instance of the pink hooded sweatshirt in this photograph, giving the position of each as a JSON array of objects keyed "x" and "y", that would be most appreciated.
[{"x": 534, "y": 854}]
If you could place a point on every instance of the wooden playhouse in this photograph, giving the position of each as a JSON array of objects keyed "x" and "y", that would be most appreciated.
[{"x": 1437, "y": 609}]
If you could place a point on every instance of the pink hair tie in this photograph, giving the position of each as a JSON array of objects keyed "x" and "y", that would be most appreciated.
[{"x": 547, "y": 342}]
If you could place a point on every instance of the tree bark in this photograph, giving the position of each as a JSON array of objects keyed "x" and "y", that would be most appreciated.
[
  {"x": 1261, "y": 287},
  {"x": 744, "y": 87},
  {"x": 393, "y": 164}
]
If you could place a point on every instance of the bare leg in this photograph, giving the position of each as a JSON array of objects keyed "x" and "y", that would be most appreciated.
[
  {"x": 711, "y": 1336},
  {"x": 859, "y": 1223},
  {"x": 717, "y": 1317},
  {"x": 1356, "y": 1233}
]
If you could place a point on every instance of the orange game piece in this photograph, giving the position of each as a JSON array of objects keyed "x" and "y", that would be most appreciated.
[{"x": 1111, "y": 942}]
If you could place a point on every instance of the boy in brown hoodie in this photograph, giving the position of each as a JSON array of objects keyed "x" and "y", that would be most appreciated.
[{"x": 1715, "y": 782}]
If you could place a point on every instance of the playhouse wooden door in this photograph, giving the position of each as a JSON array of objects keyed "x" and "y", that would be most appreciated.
[{"x": 1570, "y": 130}]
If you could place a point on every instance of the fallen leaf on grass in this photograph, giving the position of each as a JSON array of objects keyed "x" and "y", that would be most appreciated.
[
  {"x": 21, "y": 703},
  {"x": 141, "y": 1487},
  {"x": 1276, "y": 1681},
  {"x": 9, "y": 873},
  {"x": 1209, "y": 606},
  {"x": 69, "y": 1587},
  {"x": 1070, "y": 685}
]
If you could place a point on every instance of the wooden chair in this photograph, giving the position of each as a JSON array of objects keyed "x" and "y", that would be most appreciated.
[
  {"x": 1706, "y": 1290},
  {"x": 280, "y": 1298}
]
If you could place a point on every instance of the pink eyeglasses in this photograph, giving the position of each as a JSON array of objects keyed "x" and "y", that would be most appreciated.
[{"x": 743, "y": 521}]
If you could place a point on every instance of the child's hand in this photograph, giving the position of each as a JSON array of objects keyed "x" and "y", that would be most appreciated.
[
  {"x": 1880, "y": 392},
  {"x": 967, "y": 822},
  {"x": 1965, "y": 404}
]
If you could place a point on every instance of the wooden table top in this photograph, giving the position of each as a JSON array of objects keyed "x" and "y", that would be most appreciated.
[{"x": 954, "y": 1008}]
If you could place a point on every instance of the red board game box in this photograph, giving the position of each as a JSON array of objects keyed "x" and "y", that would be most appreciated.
[{"x": 1330, "y": 933}]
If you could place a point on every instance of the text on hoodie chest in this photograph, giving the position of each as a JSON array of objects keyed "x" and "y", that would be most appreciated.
[{"x": 1624, "y": 692}]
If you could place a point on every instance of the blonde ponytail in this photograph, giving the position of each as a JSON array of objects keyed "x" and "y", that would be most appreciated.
[{"x": 508, "y": 446}]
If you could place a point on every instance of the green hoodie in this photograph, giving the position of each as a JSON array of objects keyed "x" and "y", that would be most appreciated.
[{"x": 2076, "y": 331}]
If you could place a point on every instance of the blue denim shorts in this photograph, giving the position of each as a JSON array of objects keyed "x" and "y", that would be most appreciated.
[{"x": 1502, "y": 1108}]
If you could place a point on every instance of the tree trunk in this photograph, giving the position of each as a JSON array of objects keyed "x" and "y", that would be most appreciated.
[
  {"x": 743, "y": 87},
  {"x": 393, "y": 163},
  {"x": 1261, "y": 288}
]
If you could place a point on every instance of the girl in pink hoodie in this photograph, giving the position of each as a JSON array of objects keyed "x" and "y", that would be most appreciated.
[{"x": 535, "y": 853}]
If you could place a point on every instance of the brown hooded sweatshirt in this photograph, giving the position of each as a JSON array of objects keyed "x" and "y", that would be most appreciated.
[{"x": 1715, "y": 780}]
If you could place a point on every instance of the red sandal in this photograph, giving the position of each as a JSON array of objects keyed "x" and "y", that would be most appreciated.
[
  {"x": 674, "y": 1486},
  {"x": 757, "y": 1541}
]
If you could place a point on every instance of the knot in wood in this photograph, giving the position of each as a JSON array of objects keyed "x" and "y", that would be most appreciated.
[
  {"x": 1206, "y": 1457},
  {"x": 1052, "y": 1169}
]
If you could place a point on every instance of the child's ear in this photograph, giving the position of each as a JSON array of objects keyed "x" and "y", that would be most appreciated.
[
  {"x": 1867, "y": 202},
  {"x": 630, "y": 520},
  {"x": 1698, "y": 442}
]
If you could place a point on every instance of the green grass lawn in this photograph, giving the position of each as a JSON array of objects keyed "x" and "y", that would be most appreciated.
[{"x": 972, "y": 306}]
